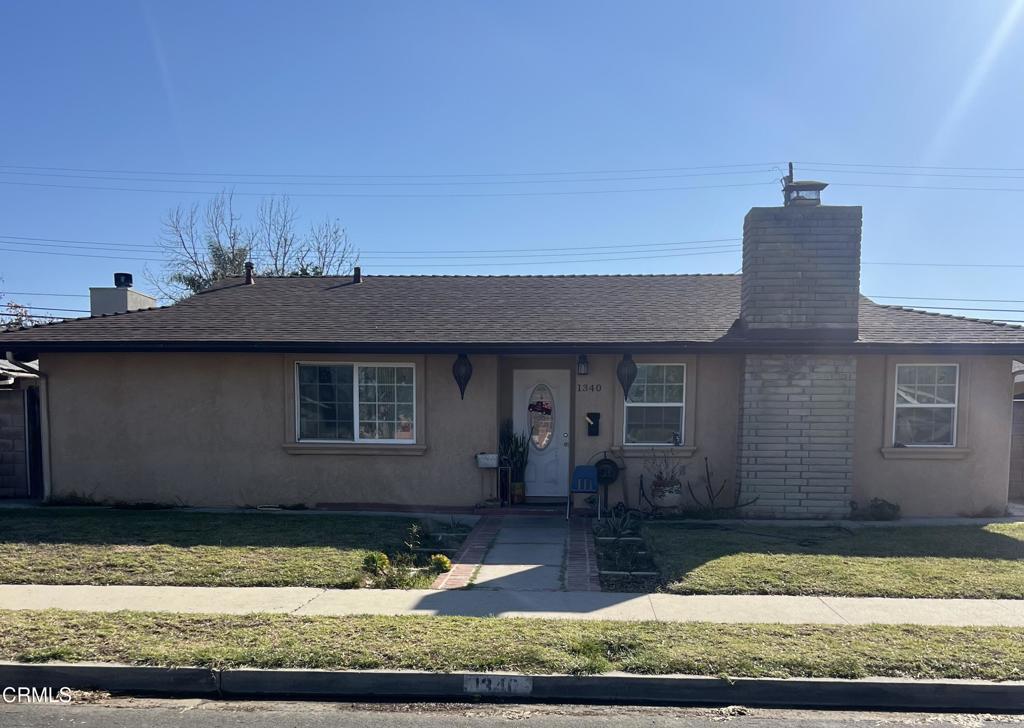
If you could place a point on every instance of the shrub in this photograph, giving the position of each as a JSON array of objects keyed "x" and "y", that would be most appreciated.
[
  {"x": 376, "y": 563},
  {"x": 878, "y": 509},
  {"x": 440, "y": 563}
]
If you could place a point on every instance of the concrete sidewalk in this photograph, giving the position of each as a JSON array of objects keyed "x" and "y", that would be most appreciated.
[{"x": 509, "y": 603}]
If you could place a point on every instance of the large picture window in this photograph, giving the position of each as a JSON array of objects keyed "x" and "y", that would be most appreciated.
[
  {"x": 925, "y": 408},
  {"x": 356, "y": 403},
  {"x": 655, "y": 405}
]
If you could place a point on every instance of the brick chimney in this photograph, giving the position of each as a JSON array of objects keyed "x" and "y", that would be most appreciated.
[
  {"x": 801, "y": 281},
  {"x": 119, "y": 299},
  {"x": 801, "y": 268}
]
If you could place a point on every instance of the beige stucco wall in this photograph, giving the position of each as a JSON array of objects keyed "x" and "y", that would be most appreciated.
[
  {"x": 218, "y": 429},
  {"x": 971, "y": 479},
  {"x": 211, "y": 429},
  {"x": 711, "y": 421}
]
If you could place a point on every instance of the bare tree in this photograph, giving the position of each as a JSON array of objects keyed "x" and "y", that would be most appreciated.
[
  {"x": 206, "y": 244},
  {"x": 328, "y": 251}
]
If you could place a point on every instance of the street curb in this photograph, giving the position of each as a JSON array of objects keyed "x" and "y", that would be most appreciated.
[{"x": 875, "y": 693}]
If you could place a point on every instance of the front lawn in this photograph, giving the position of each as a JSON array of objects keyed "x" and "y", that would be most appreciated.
[
  {"x": 982, "y": 562},
  {"x": 444, "y": 644},
  {"x": 176, "y": 548}
]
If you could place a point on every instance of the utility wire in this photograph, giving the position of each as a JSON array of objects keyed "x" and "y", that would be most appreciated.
[
  {"x": 94, "y": 244},
  {"x": 62, "y": 295},
  {"x": 393, "y": 176},
  {"x": 49, "y": 308},
  {"x": 385, "y": 184},
  {"x": 396, "y": 195},
  {"x": 933, "y": 298}
]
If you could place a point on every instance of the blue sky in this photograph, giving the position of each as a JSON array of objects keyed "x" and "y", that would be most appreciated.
[{"x": 419, "y": 90}]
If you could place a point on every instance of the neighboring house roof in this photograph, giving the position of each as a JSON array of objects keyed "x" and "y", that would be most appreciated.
[{"x": 478, "y": 312}]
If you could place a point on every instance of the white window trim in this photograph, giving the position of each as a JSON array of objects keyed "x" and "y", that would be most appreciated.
[
  {"x": 897, "y": 405},
  {"x": 356, "y": 366},
  {"x": 682, "y": 406}
]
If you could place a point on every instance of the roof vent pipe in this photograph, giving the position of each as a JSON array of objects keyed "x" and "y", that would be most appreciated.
[
  {"x": 248, "y": 274},
  {"x": 357, "y": 275}
]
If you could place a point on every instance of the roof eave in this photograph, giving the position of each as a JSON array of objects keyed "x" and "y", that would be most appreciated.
[{"x": 27, "y": 350}]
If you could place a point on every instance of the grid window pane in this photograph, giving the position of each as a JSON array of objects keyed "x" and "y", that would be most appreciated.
[
  {"x": 385, "y": 408},
  {"x": 325, "y": 402},
  {"x": 386, "y": 399},
  {"x": 653, "y": 425},
  {"x": 658, "y": 383},
  {"x": 924, "y": 426},
  {"x": 925, "y": 405}
]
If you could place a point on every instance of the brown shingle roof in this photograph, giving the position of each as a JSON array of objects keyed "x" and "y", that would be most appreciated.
[{"x": 498, "y": 310}]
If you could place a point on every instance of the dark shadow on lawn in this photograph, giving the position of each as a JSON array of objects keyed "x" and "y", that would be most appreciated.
[
  {"x": 106, "y": 527},
  {"x": 683, "y": 546}
]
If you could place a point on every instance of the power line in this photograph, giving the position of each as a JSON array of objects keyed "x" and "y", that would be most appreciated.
[
  {"x": 387, "y": 184},
  {"x": 62, "y": 295},
  {"x": 49, "y": 308},
  {"x": 74, "y": 244},
  {"x": 933, "y": 298},
  {"x": 394, "y": 195},
  {"x": 913, "y": 166},
  {"x": 944, "y": 265},
  {"x": 961, "y": 308},
  {"x": 914, "y": 174},
  {"x": 395, "y": 176}
]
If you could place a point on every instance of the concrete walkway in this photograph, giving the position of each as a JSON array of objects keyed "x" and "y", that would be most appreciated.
[{"x": 508, "y": 603}]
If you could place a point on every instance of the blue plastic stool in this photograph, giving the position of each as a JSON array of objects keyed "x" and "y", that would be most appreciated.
[{"x": 584, "y": 480}]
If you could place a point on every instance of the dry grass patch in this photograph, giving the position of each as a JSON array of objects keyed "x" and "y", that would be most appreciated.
[
  {"x": 980, "y": 562},
  {"x": 180, "y": 548},
  {"x": 444, "y": 644}
]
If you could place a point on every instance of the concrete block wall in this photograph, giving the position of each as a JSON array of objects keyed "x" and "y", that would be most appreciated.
[
  {"x": 796, "y": 435},
  {"x": 13, "y": 467},
  {"x": 801, "y": 268},
  {"x": 1017, "y": 453}
]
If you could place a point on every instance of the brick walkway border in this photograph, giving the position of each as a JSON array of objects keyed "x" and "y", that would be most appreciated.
[
  {"x": 470, "y": 555},
  {"x": 581, "y": 557}
]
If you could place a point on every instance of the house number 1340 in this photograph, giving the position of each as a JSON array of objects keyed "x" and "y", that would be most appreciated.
[{"x": 588, "y": 387}]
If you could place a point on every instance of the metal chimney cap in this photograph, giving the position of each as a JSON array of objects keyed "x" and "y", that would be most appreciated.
[
  {"x": 123, "y": 280},
  {"x": 803, "y": 192}
]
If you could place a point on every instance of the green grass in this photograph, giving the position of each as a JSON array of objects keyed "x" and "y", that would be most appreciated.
[
  {"x": 101, "y": 546},
  {"x": 446, "y": 644},
  {"x": 958, "y": 561}
]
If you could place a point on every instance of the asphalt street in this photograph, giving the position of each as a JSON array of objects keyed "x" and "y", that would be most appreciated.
[{"x": 90, "y": 711}]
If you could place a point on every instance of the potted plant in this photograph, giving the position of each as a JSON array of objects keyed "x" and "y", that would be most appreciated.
[
  {"x": 666, "y": 481},
  {"x": 514, "y": 452}
]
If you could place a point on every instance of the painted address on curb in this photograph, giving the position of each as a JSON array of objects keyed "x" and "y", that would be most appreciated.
[{"x": 497, "y": 684}]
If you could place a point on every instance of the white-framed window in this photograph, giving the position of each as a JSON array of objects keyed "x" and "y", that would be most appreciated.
[
  {"x": 655, "y": 406},
  {"x": 924, "y": 413},
  {"x": 355, "y": 402}
]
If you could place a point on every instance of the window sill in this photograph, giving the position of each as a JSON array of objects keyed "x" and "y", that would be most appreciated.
[
  {"x": 351, "y": 448},
  {"x": 649, "y": 451},
  {"x": 925, "y": 453}
]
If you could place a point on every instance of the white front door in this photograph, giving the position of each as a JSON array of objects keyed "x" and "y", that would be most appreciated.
[{"x": 541, "y": 409}]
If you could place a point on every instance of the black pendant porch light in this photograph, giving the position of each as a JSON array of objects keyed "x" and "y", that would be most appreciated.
[
  {"x": 626, "y": 373},
  {"x": 462, "y": 370}
]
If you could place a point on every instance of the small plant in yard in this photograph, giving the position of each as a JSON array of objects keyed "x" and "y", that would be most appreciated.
[
  {"x": 440, "y": 563},
  {"x": 389, "y": 573},
  {"x": 666, "y": 481},
  {"x": 707, "y": 505},
  {"x": 414, "y": 539},
  {"x": 376, "y": 563},
  {"x": 620, "y": 523}
]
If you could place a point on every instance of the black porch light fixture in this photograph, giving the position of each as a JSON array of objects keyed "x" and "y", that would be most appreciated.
[
  {"x": 626, "y": 374},
  {"x": 462, "y": 370},
  {"x": 582, "y": 365}
]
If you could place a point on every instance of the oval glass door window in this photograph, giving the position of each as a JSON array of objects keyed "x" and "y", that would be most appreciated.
[{"x": 541, "y": 416}]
